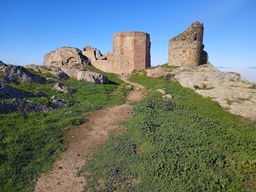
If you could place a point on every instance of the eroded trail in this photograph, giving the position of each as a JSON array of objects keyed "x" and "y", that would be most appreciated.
[{"x": 84, "y": 140}]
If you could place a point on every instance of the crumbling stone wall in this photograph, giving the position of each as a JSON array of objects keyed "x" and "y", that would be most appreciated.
[
  {"x": 89, "y": 52},
  {"x": 187, "y": 48},
  {"x": 131, "y": 51}
]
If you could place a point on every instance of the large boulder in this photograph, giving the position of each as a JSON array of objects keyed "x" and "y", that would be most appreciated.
[
  {"x": 18, "y": 74},
  {"x": 66, "y": 57},
  {"x": 92, "y": 77}
]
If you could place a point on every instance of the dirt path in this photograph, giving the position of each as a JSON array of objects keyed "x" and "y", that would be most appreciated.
[{"x": 83, "y": 141}]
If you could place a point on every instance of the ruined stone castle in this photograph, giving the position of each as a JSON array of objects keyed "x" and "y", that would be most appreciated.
[
  {"x": 131, "y": 51},
  {"x": 186, "y": 49}
]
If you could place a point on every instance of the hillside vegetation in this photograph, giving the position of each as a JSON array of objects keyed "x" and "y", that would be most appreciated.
[
  {"x": 188, "y": 144},
  {"x": 29, "y": 143}
]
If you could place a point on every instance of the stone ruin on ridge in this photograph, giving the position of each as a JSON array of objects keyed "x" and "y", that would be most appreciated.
[
  {"x": 186, "y": 49},
  {"x": 131, "y": 51}
]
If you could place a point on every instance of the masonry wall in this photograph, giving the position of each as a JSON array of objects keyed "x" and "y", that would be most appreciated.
[
  {"x": 131, "y": 51},
  {"x": 186, "y": 48}
]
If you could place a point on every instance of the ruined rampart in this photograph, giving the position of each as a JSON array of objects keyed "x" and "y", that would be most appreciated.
[
  {"x": 186, "y": 49},
  {"x": 131, "y": 51}
]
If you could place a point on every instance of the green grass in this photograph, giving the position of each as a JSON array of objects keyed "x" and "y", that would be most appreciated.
[
  {"x": 188, "y": 144},
  {"x": 29, "y": 143}
]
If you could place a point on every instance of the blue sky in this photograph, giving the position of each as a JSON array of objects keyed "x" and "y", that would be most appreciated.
[{"x": 31, "y": 28}]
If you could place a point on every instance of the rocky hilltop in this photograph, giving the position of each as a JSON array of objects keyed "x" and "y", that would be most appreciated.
[
  {"x": 229, "y": 89},
  {"x": 21, "y": 100}
]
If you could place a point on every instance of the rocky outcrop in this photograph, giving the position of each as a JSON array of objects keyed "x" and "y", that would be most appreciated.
[
  {"x": 57, "y": 102},
  {"x": 19, "y": 105},
  {"x": 9, "y": 92},
  {"x": 18, "y": 74},
  {"x": 155, "y": 72},
  {"x": 66, "y": 57},
  {"x": 70, "y": 72},
  {"x": 62, "y": 88},
  {"x": 229, "y": 89},
  {"x": 22, "y": 106},
  {"x": 57, "y": 72},
  {"x": 92, "y": 77}
]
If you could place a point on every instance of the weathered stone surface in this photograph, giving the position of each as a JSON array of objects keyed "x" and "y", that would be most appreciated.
[
  {"x": 90, "y": 53},
  {"x": 100, "y": 56},
  {"x": 131, "y": 51},
  {"x": 37, "y": 68},
  {"x": 8, "y": 92},
  {"x": 62, "y": 88},
  {"x": 57, "y": 72},
  {"x": 155, "y": 72},
  {"x": 66, "y": 57},
  {"x": 18, "y": 74},
  {"x": 229, "y": 89},
  {"x": 92, "y": 77},
  {"x": 70, "y": 72},
  {"x": 18, "y": 105},
  {"x": 186, "y": 49},
  {"x": 57, "y": 102}
]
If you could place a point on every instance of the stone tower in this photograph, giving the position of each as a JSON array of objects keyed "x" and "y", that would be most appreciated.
[
  {"x": 186, "y": 49},
  {"x": 131, "y": 51}
]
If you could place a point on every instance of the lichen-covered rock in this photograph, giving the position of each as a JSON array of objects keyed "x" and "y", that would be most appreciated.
[
  {"x": 66, "y": 57},
  {"x": 92, "y": 77},
  {"x": 229, "y": 89},
  {"x": 18, "y": 74},
  {"x": 155, "y": 72},
  {"x": 70, "y": 72},
  {"x": 57, "y": 72},
  {"x": 18, "y": 105},
  {"x": 9, "y": 92},
  {"x": 62, "y": 88},
  {"x": 57, "y": 102}
]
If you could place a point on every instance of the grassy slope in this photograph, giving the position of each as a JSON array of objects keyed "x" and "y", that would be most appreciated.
[
  {"x": 189, "y": 144},
  {"x": 30, "y": 143}
]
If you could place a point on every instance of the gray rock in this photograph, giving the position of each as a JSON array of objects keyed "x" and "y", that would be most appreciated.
[
  {"x": 9, "y": 92},
  {"x": 229, "y": 89},
  {"x": 57, "y": 72},
  {"x": 18, "y": 74},
  {"x": 155, "y": 72},
  {"x": 62, "y": 88},
  {"x": 70, "y": 72},
  {"x": 18, "y": 105},
  {"x": 37, "y": 68},
  {"x": 57, "y": 102},
  {"x": 92, "y": 77},
  {"x": 66, "y": 57}
]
